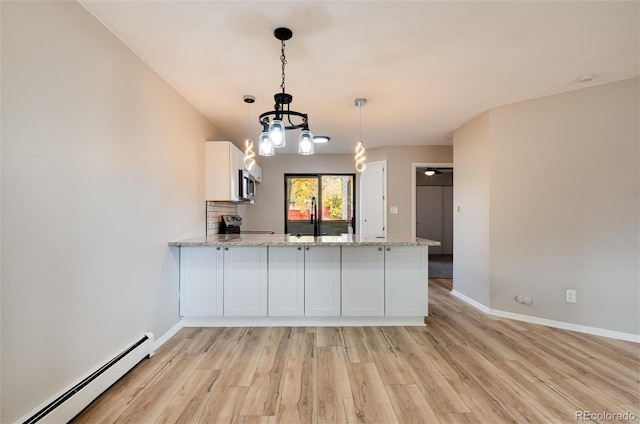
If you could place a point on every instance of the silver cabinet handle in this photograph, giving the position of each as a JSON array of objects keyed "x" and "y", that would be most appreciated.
[
  {"x": 308, "y": 248},
  {"x": 226, "y": 248},
  {"x": 388, "y": 249},
  {"x": 380, "y": 249},
  {"x": 218, "y": 248},
  {"x": 299, "y": 248}
]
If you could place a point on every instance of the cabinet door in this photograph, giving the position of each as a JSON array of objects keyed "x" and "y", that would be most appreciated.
[
  {"x": 322, "y": 281},
  {"x": 362, "y": 281},
  {"x": 286, "y": 281},
  {"x": 406, "y": 281},
  {"x": 200, "y": 281},
  {"x": 245, "y": 281},
  {"x": 222, "y": 160}
]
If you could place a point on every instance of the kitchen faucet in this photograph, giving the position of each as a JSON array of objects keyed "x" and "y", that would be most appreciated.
[{"x": 314, "y": 216}]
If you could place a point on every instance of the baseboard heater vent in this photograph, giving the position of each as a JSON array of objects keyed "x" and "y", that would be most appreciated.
[{"x": 70, "y": 403}]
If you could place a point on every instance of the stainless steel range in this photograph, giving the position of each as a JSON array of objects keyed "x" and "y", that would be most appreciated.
[{"x": 231, "y": 225}]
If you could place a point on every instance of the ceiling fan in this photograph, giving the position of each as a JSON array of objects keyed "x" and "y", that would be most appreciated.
[{"x": 429, "y": 172}]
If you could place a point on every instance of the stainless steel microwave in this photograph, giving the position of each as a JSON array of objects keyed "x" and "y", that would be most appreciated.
[{"x": 247, "y": 186}]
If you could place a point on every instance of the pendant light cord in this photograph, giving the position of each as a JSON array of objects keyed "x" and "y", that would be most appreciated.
[{"x": 283, "y": 59}]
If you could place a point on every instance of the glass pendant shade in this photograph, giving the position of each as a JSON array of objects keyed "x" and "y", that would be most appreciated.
[
  {"x": 305, "y": 144},
  {"x": 276, "y": 133},
  {"x": 265, "y": 146}
]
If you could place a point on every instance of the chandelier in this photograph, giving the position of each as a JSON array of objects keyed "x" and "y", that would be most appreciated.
[{"x": 276, "y": 122}]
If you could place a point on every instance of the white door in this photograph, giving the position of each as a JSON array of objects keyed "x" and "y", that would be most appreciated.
[
  {"x": 363, "y": 281},
  {"x": 286, "y": 281},
  {"x": 245, "y": 281},
  {"x": 429, "y": 215},
  {"x": 322, "y": 281},
  {"x": 373, "y": 194}
]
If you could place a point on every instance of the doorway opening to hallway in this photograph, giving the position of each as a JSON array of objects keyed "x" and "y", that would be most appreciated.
[{"x": 433, "y": 213}]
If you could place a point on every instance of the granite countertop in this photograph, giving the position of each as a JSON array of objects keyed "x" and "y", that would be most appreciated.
[{"x": 288, "y": 240}]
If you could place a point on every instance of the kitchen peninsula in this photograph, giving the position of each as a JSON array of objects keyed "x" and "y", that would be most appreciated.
[{"x": 278, "y": 279}]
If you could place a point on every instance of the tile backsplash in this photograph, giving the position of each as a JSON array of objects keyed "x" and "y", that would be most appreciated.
[{"x": 214, "y": 211}]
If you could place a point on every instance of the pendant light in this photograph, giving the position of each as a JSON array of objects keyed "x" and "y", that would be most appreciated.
[
  {"x": 276, "y": 122},
  {"x": 360, "y": 158},
  {"x": 305, "y": 144},
  {"x": 265, "y": 146},
  {"x": 249, "y": 154}
]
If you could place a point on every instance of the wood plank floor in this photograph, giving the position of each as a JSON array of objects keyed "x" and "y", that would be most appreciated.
[{"x": 463, "y": 367}]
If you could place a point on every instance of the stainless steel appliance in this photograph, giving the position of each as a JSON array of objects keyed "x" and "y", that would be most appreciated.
[
  {"x": 231, "y": 224},
  {"x": 247, "y": 185}
]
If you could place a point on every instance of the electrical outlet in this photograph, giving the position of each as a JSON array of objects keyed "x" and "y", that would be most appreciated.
[
  {"x": 525, "y": 300},
  {"x": 570, "y": 296}
]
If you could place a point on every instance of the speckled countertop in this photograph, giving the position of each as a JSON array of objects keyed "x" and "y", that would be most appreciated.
[{"x": 287, "y": 240}]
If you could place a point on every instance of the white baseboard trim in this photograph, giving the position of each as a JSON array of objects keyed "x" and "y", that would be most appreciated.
[
  {"x": 302, "y": 321},
  {"x": 595, "y": 331},
  {"x": 470, "y": 301},
  {"x": 166, "y": 336}
]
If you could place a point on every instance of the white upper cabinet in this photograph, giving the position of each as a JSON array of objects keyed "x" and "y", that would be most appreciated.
[{"x": 223, "y": 161}]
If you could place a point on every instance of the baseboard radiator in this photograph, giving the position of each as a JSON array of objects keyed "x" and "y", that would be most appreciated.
[{"x": 70, "y": 403}]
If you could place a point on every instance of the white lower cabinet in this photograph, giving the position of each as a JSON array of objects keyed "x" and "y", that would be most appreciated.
[
  {"x": 286, "y": 281},
  {"x": 201, "y": 276},
  {"x": 298, "y": 281},
  {"x": 363, "y": 281},
  {"x": 322, "y": 281},
  {"x": 245, "y": 281},
  {"x": 406, "y": 281}
]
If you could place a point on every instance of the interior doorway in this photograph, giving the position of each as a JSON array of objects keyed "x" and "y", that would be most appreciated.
[{"x": 433, "y": 214}]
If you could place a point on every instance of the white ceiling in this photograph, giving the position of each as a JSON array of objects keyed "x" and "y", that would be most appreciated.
[{"x": 425, "y": 67}]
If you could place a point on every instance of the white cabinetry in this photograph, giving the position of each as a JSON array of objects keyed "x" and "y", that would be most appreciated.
[
  {"x": 406, "y": 281},
  {"x": 255, "y": 171},
  {"x": 286, "y": 281},
  {"x": 245, "y": 281},
  {"x": 201, "y": 276},
  {"x": 223, "y": 160},
  {"x": 322, "y": 281},
  {"x": 363, "y": 281}
]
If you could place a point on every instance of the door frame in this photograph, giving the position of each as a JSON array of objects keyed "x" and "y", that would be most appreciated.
[{"x": 414, "y": 168}]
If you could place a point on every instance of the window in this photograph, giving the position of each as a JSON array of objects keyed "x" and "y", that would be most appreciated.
[{"x": 319, "y": 204}]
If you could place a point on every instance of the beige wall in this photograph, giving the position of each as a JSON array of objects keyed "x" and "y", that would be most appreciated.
[
  {"x": 400, "y": 189},
  {"x": 471, "y": 230},
  {"x": 563, "y": 194},
  {"x": 102, "y": 165},
  {"x": 268, "y": 212}
]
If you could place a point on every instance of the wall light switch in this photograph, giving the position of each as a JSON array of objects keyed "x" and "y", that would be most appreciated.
[{"x": 393, "y": 210}]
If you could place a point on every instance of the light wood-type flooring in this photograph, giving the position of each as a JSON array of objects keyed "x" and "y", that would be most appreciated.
[{"x": 463, "y": 367}]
